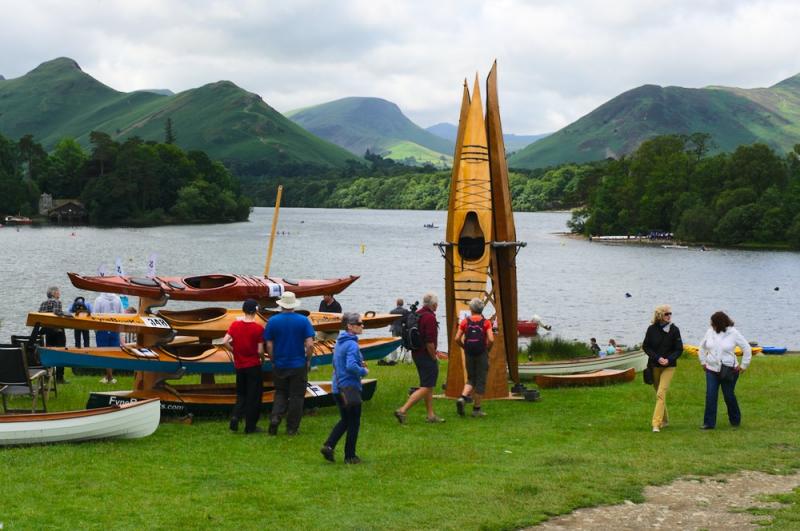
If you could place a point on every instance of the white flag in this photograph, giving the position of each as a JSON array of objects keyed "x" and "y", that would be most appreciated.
[
  {"x": 120, "y": 271},
  {"x": 101, "y": 270},
  {"x": 151, "y": 266}
]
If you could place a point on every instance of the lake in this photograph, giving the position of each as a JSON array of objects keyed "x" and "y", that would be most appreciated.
[{"x": 577, "y": 287}]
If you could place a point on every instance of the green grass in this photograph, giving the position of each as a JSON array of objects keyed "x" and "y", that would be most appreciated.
[
  {"x": 523, "y": 463},
  {"x": 556, "y": 348}
]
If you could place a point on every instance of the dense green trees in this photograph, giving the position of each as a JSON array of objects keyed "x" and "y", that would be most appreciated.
[
  {"x": 133, "y": 182},
  {"x": 669, "y": 184}
]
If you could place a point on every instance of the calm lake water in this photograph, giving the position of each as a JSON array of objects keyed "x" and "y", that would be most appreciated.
[{"x": 577, "y": 287}]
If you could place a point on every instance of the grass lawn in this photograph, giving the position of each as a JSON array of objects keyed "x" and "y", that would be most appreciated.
[{"x": 516, "y": 467}]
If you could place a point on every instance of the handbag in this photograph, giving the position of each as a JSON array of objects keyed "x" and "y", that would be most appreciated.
[
  {"x": 647, "y": 376},
  {"x": 727, "y": 374},
  {"x": 351, "y": 396}
]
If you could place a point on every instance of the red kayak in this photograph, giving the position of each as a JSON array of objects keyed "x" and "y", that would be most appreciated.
[
  {"x": 211, "y": 287},
  {"x": 527, "y": 328}
]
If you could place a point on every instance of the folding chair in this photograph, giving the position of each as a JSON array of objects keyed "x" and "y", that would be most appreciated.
[
  {"x": 28, "y": 344},
  {"x": 16, "y": 379}
]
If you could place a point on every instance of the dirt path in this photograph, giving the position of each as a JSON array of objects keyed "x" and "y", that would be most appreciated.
[{"x": 718, "y": 502}]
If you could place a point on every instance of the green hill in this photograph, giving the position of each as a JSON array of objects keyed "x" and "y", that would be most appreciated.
[
  {"x": 512, "y": 142},
  {"x": 374, "y": 124},
  {"x": 58, "y": 99},
  {"x": 732, "y": 116}
]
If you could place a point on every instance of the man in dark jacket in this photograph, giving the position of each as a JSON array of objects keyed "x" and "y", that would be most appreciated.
[{"x": 397, "y": 330}]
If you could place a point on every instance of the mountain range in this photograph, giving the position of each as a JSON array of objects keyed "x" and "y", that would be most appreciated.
[
  {"x": 58, "y": 99},
  {"x": 360, "y": 124},
  {"x": 732, "y": 116}
]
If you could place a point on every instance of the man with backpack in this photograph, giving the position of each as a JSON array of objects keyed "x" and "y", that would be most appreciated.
[
  {"x": 475, "y": 336},
  {"x": 420, "y": 336}
]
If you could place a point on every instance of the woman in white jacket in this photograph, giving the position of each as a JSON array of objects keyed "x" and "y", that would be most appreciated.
[{"x": 718, "y": 358}]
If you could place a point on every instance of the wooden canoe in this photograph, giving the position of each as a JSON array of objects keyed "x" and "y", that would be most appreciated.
[
  {"x": 123, "y": 421},
  {"x": 216, "y": 399},
  {"x": 217, "y": 287},
  {"x": 601, "y": 377},
  {"x": 193, "y": 358},
  {"x": 625, "y": 360},
  {"x": 207, "y": 323}
]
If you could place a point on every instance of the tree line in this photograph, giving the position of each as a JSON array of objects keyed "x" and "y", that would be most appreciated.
[{"x": 134, "y": 182}]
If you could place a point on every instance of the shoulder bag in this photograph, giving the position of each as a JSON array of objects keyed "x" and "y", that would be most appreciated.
[{"x": 350, "y": 395}]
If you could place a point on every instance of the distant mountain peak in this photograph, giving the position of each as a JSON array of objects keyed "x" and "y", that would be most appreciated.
[
  {"x": 790, "y": 82},
  {"x": 61, "y": 63}
]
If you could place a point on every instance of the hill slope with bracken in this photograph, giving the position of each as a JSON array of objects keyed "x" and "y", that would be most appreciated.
[
  {"x": 732, "y": 116},
  {"x": 58, "y": 99},
  {"x": 361, "y": 124}
]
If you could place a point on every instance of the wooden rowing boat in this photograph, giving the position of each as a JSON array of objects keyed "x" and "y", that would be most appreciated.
[
  {"x": 216, "y": 399},
  {"x": 527, "y": 328},
  {"x": 215, "y": 287},
  {"x": 193, "y": 358},
  {"x": 625, "y": 360},
  {"x": 208, "y": 323},
  {"x": 123, "y": 421},
  {"x": 601, "y": 377}
]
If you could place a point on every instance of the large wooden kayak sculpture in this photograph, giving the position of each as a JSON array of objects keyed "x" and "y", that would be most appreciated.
[
  {"x": 122, "y": 421},
  {"x": 207, "y": 323},
  {"x": 210, "y": 287},
  {"x": 190, "y": 358}
]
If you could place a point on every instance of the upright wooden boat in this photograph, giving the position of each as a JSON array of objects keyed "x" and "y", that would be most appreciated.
[
  {"x": 637, "y": 360},
  {"x": 210, "y": 287},
  {"x": 193, "y": 358},
  {"x": 123, "y": 421},
  {"x": 595, "y": 378}
]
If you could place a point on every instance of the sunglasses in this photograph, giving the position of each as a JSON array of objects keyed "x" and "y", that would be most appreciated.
[
  {"x": 667, "y": 313},
  {"x": 360, "y": 323}
]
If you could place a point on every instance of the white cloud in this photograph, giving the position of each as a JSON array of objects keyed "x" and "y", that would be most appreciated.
[{"x": 557, "y": 60}]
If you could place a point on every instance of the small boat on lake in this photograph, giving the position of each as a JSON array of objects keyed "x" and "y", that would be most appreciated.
[
  {"x": 773, "y": 350},
  {"x": 190, "y": 357},
  {"x": 635, "y": 359},
  {"x": 216, "y": 287},
  {"x": 18, "y": 220},
  {"x": 527, "y": 328},
  {"x": 120, "y": 421},
  {"x": 595, "y": 378}
]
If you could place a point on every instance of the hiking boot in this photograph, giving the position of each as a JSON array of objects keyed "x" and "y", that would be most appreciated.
[
  {"x": 355, "y": 460},
  {"x": 478, "y": 413},
  {"x": 257, "y": 429},
  {"x": 234, "y": 424},
  {"x": 327, "y": 453},
  {"x": 273, "y": 429},
  {"x": 400, "y": 416},
  {"x": 436, "y": 419},
  {"x": 656, "y": 429},
  {"x": 460, "y": 406}
]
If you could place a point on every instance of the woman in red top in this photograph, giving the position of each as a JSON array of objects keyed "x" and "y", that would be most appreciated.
[
  {"x": 246, "y": 335},
  {"x": 475, "y": 336}
]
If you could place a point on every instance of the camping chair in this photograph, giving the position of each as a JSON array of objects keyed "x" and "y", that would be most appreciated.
[
  {"x": 28, "y": 344},
  {"x": 16, "y": 379}
]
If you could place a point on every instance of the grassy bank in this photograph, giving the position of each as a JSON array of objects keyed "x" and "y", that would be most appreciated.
[{"x": 518, "y": 466}]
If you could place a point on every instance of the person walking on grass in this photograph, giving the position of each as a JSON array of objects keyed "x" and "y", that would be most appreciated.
[
  {"x": 425, "y": 360},
  {"x": 248, "y": 355},
  {"x": 348, "y": 369},
  {"x": 476, "y": 337},
  {"x": 717, "y": 355},
  {"x": 663, "y": 346},
  {"x": 289, "y": 337}
]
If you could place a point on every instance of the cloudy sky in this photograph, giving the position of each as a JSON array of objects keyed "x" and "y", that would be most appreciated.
[{"x": 557, "y": 60}]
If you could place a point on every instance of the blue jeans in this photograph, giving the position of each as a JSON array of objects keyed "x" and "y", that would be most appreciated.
[{"x": 713, "y": 384}]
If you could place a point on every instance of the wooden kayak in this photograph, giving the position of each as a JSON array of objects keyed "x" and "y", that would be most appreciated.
[
  {"x": 217, "y": 287},
  {"x": 625, "y": 360},
  {"x": 216, "y": 399},
  {"x": 527, "y": 328},
  {"x": 207, "y": 323},
  {"x": 123, "y": 421},
  {"x": 694, "y": 350},
  {"x": 601, "y": 377},
  {"x": 193, "y": 358}
]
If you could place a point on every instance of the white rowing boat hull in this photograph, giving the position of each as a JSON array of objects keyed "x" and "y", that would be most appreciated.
[
  {"x": 130, "y": 421},
  {"x": 626, "y": 360}
]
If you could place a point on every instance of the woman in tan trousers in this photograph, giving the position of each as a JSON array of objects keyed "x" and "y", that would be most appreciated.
[{"x": 663, "y": 346}]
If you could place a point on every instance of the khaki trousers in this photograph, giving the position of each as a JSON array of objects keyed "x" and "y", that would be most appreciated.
[{"x": 662, "y": 376}]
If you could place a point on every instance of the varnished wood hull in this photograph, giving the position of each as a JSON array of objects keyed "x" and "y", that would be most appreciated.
[
  {"x": 217, "y": 287},
  {"x": 216, "y": 399},
  {"x": 601, "y": 377}
]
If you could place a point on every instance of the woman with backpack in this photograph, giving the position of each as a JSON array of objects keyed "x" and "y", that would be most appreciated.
[{"x": 475, "y": 336}]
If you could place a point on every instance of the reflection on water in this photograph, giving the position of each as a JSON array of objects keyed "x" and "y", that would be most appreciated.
[{"x": 576, "y": 286}]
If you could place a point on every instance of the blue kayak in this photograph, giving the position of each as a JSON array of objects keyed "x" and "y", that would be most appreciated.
[{"x": 774, "y": 350}]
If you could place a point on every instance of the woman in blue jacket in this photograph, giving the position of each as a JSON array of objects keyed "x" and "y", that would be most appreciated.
[{"x": 348, "y": 369}]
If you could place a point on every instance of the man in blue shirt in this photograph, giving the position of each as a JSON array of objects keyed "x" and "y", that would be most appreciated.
[{"x": 289, "y": 339}]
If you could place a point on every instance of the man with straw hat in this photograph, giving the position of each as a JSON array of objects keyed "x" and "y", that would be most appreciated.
[{"x": 289, "y": 338}]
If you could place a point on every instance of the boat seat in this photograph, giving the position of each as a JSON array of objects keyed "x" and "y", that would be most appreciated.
[
  {"x": 175, "y": 284},
  {"x": 144, "y": 281},
  {"x": 17, "y": 379}
]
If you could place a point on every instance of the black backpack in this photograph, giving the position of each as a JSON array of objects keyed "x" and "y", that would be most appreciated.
[
  {"x": 475, "y": 337},
  {"x": 409, "y": 330}
]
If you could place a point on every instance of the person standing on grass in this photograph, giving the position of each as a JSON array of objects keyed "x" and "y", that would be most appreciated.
[
  {"x": 425, "y": 360},
  {"x": 54, "y": 337},
  {"x": 717, "y": 355},
  {"x": 80, "y": 307},
  {"x": 248, "y": 354},
  {"x": 397, "y": 331},
  {"x": 107, "y": 303},
  {"x": 663, "y": 346},
  {"x": 476, "y": 337},
  {"x": 348, "y": 369},
  {"x": 290, "y": 342}
]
